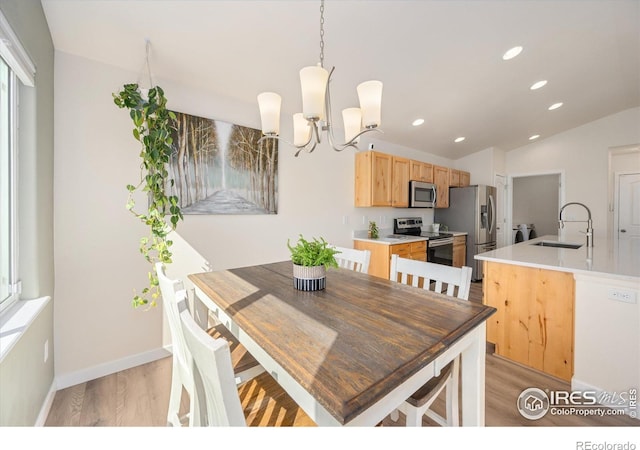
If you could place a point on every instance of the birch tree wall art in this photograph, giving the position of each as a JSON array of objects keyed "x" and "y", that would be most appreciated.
[{"x": 219, "y": 168}]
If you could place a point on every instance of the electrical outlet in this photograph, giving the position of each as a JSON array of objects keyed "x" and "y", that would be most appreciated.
[
  {"x": 364, "y": 220},
  {"x": 345, "y": 220},
  {"x": 622, "y": 295},
  {"x": 46, "y": 350}
]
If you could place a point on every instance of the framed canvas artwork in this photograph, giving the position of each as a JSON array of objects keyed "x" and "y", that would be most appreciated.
[{"x": 219, "y": 168}]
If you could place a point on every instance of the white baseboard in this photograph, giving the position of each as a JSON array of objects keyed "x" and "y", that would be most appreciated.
[
  {"x": 577, "y": 385},
  {"x": 91, "y": 373},
  {"x": 46, "y": 406}
]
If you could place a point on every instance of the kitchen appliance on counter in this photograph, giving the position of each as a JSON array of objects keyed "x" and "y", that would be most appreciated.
[
  {"x": 421, "y": 194},
  {"x": 472, "y": 210},
  {"x": 439, "y": 245}
]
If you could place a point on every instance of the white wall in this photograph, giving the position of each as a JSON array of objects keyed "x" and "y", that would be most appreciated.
[
  {"x": 480, "y": 165},
  {"x": 582, "y": 153},
  {"x": 96, "y": 239}
]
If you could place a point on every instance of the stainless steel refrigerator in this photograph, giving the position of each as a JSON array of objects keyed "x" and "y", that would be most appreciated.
[{"x": 472, "y": 210}]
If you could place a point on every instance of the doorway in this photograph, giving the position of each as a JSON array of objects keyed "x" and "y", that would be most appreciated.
[
  {"x": 624, "y": 189},
  {"x": 533, "y": 203}
]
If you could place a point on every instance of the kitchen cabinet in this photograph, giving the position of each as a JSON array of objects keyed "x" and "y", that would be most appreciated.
[
  {"x": 383, "y": 180},
  {"x": 380, "y": 263},
  {"x": 465, "y": 178},
  {"x": 420, "y": 171},
  {"x": 459, "y": 251},
  {"x": 400, "y": 182},
  {"x": 373, "y": 179},
  {"x": 459, "y": 178},
  {"x": 441, "y": 180},
  {"x": 534, "y": 322},
  {"x": 454, "y": 178}
]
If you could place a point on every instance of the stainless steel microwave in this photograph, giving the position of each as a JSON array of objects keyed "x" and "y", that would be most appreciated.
[{"x": 421, "y": 194}]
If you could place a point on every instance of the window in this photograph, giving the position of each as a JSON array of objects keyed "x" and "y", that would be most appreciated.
[
  {"x": 8, "y": 292},
  {"x": 16, "y": 72}
]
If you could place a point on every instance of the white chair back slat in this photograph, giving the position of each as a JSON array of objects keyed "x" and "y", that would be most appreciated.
[
  {"x": 353, "y": 259},
  {"x": 168, "y": 289},
  {"x": 182, "y": 374},
  {"x": 430, "y": 275},
  {"x": 217, "y": 400}
]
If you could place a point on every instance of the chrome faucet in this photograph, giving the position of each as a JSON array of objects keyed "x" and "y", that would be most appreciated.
[{"x": 589, "y": 232}]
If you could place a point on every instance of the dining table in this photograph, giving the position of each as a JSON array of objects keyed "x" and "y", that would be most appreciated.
[{"x": 351, "y": 353}]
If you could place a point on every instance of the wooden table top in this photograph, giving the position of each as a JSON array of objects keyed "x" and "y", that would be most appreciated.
[{"x": 350, "y": 344}]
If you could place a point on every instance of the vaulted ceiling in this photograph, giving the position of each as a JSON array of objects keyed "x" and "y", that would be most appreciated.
[{"x": 438, "y": 60}]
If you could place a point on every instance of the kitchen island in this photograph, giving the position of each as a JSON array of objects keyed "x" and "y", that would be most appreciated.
[{"x": 570, "y": 312}]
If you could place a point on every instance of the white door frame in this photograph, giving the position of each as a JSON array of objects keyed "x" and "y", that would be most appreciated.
[
  {"x": 612, "y": 212},
  {"x": 616, "y": 199},
  {"x": 509, "y": 212}
]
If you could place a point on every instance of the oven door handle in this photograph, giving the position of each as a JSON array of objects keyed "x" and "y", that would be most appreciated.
[{"x": 439, "y": 242}]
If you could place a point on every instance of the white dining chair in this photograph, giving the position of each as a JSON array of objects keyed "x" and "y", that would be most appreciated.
[
  {"x": 353, "y": 259},
  {"x": 452, "y": 281},
  {"x": 218, "y": 400},
  {"x": 244, "y": 365}
]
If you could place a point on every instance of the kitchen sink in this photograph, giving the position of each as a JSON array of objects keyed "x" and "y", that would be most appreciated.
[{"x": 557, "y": 244}]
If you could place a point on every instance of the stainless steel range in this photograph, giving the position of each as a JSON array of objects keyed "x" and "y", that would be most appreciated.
[{"x": 439, "y": 245}]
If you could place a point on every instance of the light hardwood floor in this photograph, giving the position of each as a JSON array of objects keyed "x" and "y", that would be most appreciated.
[{"x": 140, "y": 396}]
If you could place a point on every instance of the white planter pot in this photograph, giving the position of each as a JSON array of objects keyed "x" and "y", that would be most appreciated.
[{"x": 307, "y": 278}]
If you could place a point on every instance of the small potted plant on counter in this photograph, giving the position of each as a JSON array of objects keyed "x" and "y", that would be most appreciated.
[
  {"x": 310, "y": 262},
  {"x": 373, "y": 230}
]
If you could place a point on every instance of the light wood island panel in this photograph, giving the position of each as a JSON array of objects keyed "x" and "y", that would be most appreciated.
[{"x": 534, "y": 322}]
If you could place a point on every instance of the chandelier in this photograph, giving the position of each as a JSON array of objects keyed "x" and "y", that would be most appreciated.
[{"x": 316, "y": 108}]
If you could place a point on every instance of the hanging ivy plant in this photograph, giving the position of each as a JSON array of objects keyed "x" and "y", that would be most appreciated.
[{"x": 152, "y": 128}]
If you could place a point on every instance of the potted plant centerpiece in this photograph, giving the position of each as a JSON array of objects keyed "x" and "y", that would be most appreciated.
[{"x": 310, "y": 262}]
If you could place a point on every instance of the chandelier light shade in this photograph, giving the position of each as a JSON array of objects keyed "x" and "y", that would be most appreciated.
[
  {"x": 269, "y": 104},
  {"x": 370, "y": 96},
  {"x": 313, "y": 81},
  {"x": 301, "y": 130},
  {"x": 316, "y": 108},
  {"x": 352, "y": 118}
]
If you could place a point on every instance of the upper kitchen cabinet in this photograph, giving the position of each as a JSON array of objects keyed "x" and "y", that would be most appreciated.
[
  {"x": 420, "y": 171},
  {"x": 400, "y": 182},
  {"x": 454, "y": 177},
  {"x": 383, "y": 180},
  {"x": 441, "y": 180},
  {"x": 374, "y": 172},
  {"x": 465, "y": 178},
  {"x": 459, "y": 178}
]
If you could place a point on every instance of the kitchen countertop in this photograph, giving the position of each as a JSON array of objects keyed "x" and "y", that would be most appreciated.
[
  {"x": 361, "y": 235},
  {"x": 608, "y": 258}
]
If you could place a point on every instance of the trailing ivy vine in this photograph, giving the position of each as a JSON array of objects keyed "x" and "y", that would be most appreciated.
[{"x": 152, "y": 128}]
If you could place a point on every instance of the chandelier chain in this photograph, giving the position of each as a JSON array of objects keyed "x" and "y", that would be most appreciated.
[{"x": 322, "y": 33}]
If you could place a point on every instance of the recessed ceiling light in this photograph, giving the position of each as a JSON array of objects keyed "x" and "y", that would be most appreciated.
[
  {"x": 555, "y": 106},
  {"x": 538, "y": 85},
  {"x": 534, "y": 137},
  {"x": 417, "y": 122},
  {"x": 512, "y": 53},
  {"x": 460, "y": 139}
]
